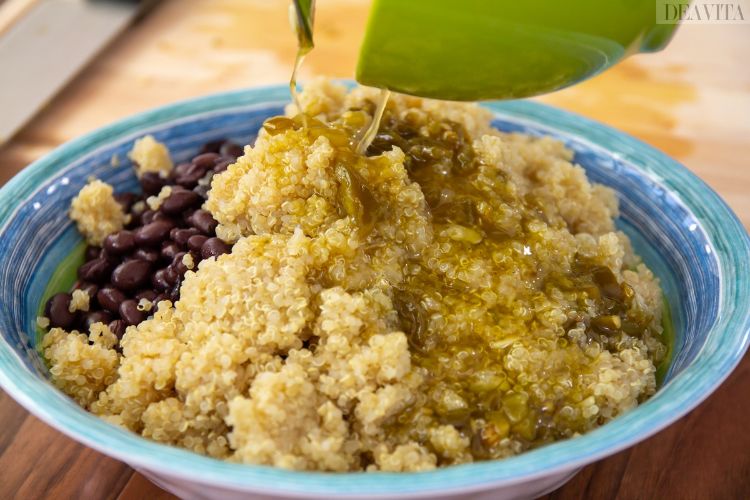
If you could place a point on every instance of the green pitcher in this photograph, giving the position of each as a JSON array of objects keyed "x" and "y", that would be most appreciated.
[{"x": 501, "y": 49}]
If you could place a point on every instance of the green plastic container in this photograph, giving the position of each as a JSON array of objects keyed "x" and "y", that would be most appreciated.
[{"x": 501, "y": 49}]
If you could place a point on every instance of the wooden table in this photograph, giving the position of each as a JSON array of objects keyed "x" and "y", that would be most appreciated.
[{"x": 691, "y": 100}]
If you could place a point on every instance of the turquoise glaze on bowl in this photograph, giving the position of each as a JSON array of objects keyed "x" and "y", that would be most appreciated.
[{"x": 681, "y": 228}]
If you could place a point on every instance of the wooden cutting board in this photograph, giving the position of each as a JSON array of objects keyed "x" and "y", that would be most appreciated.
[{"x": 691, "y": 101}]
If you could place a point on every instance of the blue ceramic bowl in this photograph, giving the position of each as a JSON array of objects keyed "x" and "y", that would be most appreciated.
[{"x": 681, "y": 228}]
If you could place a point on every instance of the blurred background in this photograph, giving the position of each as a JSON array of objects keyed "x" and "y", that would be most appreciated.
[{"x": 691, "y": 100}]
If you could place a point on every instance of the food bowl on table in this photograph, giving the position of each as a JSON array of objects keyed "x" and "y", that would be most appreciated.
[{"x": 683, "y": 231}]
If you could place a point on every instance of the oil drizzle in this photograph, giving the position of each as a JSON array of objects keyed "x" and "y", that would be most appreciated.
[
  {"x": 293, "y": 81},
  {"x": 301, "y": 16},
  {"x": 367, "y": 135}
]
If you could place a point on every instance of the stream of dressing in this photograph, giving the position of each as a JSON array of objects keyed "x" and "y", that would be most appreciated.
[{"x": 301, "y": 17}]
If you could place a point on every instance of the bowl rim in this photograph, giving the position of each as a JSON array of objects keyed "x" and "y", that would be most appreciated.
[{"x": 728, "y": 338}]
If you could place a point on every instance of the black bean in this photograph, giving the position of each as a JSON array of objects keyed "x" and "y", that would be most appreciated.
[
  {"x": 196, "y": 242},
  {"x": 118, "y": 327},
  {"x": 97, "y": 317},
  {"x": 154, "y": 233},
  {"x": 147, "y": 254},
  {"x": 177, "y": 264},
  {"x": 131, "y": 274},
  {"x": 92, "y": 252},
  {"x": 110, "y": 299},
  {"x": 169, "y": 249},
  {"x": 152, "y": 182},
  {"x": 179, "y": 201},
  {"x": 206, "y": 179},
  {"x": 202, "y": 190},
  {"x": 205, "y": 160},
  {"x": 160, "y": 280},
  {"x": 203, "y": 221},
  {"x": 95, "y": 271},
  {"x": 191, "y": 175},
  {"x": 130, "y": 314},
  {"x": 119, "y": 243},
  {"x": 150, "y": 216},
  {"x": 212, "y": 147},
  {"x": 147, "y": 217},
  {"x": 186, "y": 217},
  {"x": 222, "y": 166},
  {"x": 174, "y": 293},
  {"x": 112, "y": 259},
  {"x": 213, "y": 247},
  {"x": 181, "y": 168},
  {"x": 149, "y": 295},
  {"x": 163, "y": 216},
  {"x": 231, "y": 149},
  {"x": 181, "y": 236},
  {"x": 126, "y": 200},
  {"x": 57, "y": 311},
  {"x": 171, "y": 275}
]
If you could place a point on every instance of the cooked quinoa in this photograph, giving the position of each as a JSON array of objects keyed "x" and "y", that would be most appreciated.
[
  {"x": 79, "y": 301},
  {"x": 149, "y": 155},
  {"x": 154, "y": 202},
  {"x": 96, "y": 212},
  {"x": 458, "y": 294}
]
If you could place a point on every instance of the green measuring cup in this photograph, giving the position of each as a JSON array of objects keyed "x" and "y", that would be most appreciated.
[{"x": 500, "y": 49}]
